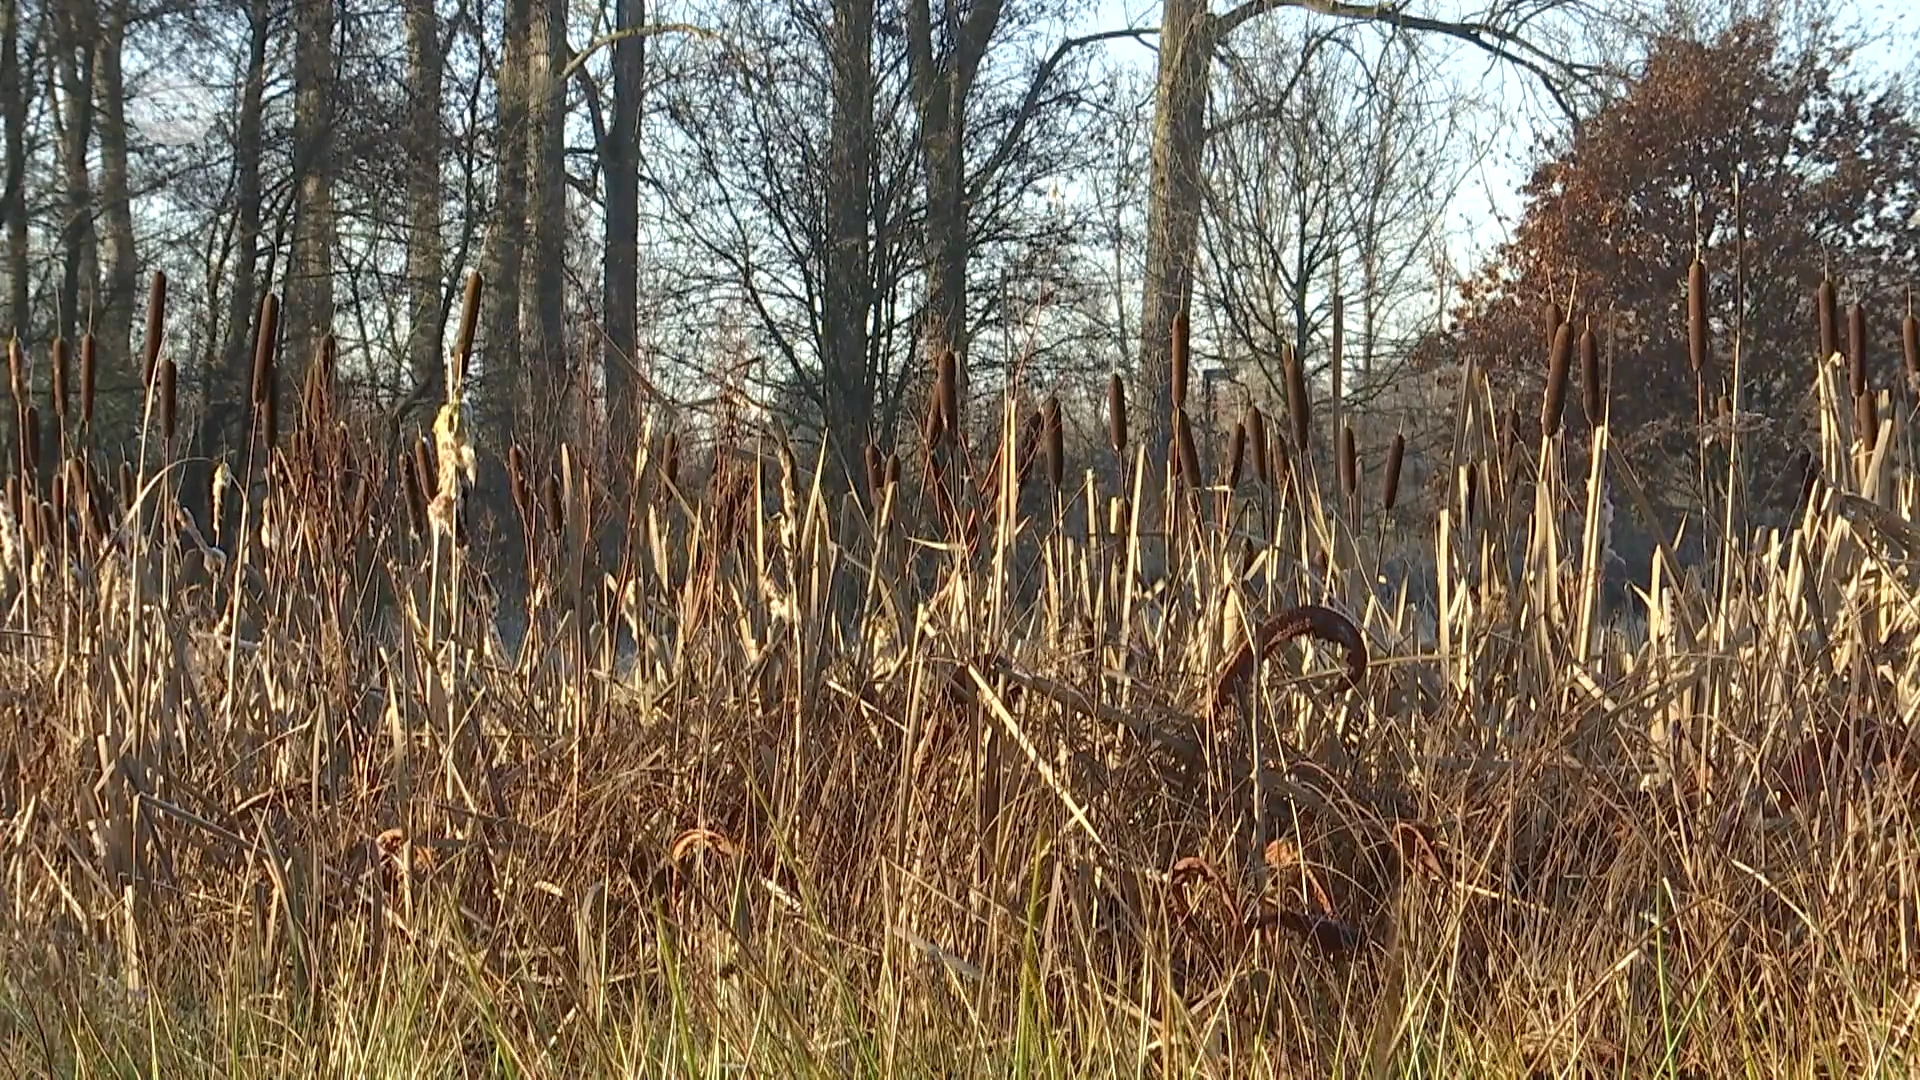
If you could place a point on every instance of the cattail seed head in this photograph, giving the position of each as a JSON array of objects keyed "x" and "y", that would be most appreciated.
[
  {"x": 1187, "y": 460},
  {"x": 1236, "y": 455},
  {"x": 463, "y": 343},
  {"x": 1697, "y": 315},
  {"x": 946, "y": 393},
  {"x": 1557, "y": 374},
  {"x": 17, "y": 373},
  {"x": 1553, "y": 316},
  {"x": 1028, "y": 449},
  {"x": 670, "y": 458},
  {"x": 156, "y": 327},
  {"x": 1866, "y": 419},
  {"x": 30, "y": 439},
  {"x": 1395, "y": 458},
  {"x": 1857, "y": 349},
  {"x": 169, "y": 397},
  {"x": 893, "y": 469},
  {"x": 129, "y": 490},
  {"x": 1256, "y": 424},
  {"x": 1827, "y": 308},
  {"x": 1298, "y": 406},
  {"x": 556, "y": 506},
  {"x": 1470, "y": 492},
  {"x": 89, "y": 377},
  {"x": 1349, "y": 463},
  {"x": 1053, "y": 433},
  {"x": 1592, "y": 391},
  {"x": 517, "y": 484},
  {"x": 266, "y": 332},
  {"x": 1726, "y": 406},
  {"x": 1181, "y": 359},
  {"x": 423, "y": 469},
  {"x": 1116, "y": 415},
  {"x": 870, "y": 457},
  {"x": 1910, "y": 349},
  {"x": 61, "y": 382},
  {"x": 416, "y": 500}
]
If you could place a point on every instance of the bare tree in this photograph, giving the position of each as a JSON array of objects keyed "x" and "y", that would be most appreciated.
[
  {"x": 620, "y": 250},
  {"x": 424, "y": 199}
]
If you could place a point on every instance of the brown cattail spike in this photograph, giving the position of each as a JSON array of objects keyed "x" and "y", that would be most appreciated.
[
  {"x": 1188, "y": 455},
  {"x": 469, "y": 317},
  {"x": 1181, "y": 359},
  {"x": 1697, "y": 315},
  {"x": 156, "y": 326},
  {"x": 1592, "y": 392},
  {"x": 128, "y": 490},
  {"x": 1866, "y": 420},
  {"x": 17, "y": 373},
  {"x": 89, "y": 377},
  {"x": 946, "y": 394},
  {"x": 1117, "y": 415},
  {"x": 1553, "y": 316},
  {"x": 1298, "y": 406},
  {"x": 265, "y": 333},
  {"x": 169, "y": 397},
  {"x": 1256, "y": 423},
  {"x": 870, "y": 458},
  {"x": 1910, "y": 350},
  {"x": 1349, "y": 463},
  {"x": 30, "y": 441},
  {"x": 893, "y": 469},
  {"x": 1857, "y": 349},
  {"x": 556, "y": 506},
  {"x": 1470, "y": 492},
  {"x": 517, "y": 484},
  {"x": 62, "y": 379},
  {"x": 423, "y": 470},
  {"x": 1237, "y": 455},
  {"x": 1396, "y": 455},
  {"x": 416, "y": 500},
  {"x": 670, "y": 458},
  {"x": 1557, "y": 375},
  {"x": 1827, "y": 307},
  {"x": 1053, "y": 434}
]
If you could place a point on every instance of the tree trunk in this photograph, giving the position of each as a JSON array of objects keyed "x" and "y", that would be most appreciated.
[
  {"x": 846, "y": 375},
  {"x": 620, "y": 158},
  {"x": 221, "y": 426},
  {"x": 941, "y": 87},
  {"x": 309, "y": 289},
  {"x": 547, "y": 211},
  {"x": 114, "y": 337},
  {"x": 424, "y": 317},
  {"x": 14, "y": 94},
  {"x": 75, "y": 26},
  {"x": 504, "y": 364},
  {"x": 1187, "y": 36}
]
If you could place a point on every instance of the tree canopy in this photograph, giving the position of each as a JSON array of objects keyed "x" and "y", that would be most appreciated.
[{"x": 1825, "y": 167}]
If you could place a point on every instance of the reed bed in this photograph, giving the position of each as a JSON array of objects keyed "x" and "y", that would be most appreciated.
[{"x": 981, "y": 771}]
